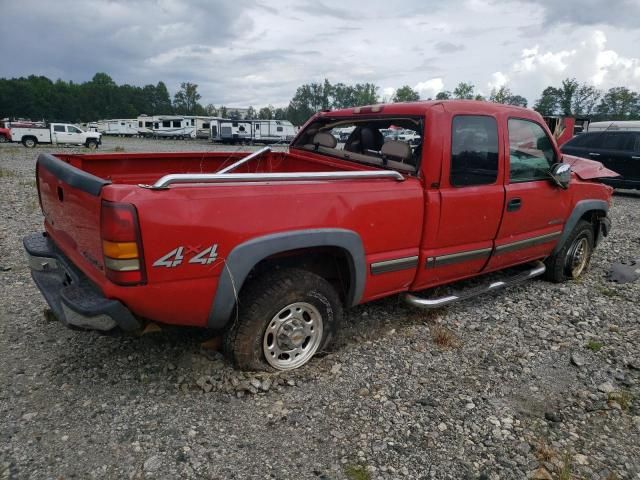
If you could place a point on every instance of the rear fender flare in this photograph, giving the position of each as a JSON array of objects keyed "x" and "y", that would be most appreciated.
[
  {"x": 579, "y": 210},
  {"x": 244, "y": 257}
]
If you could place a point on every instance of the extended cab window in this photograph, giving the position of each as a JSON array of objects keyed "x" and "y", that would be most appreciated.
[
  {"x": 389, "y": 142},
  {"x": 474, "y": 150},
  {"x": 58, "y": 128},
  {"x": 531, "y": 151}
]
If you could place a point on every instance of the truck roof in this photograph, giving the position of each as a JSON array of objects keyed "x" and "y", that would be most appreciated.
[{"x": 421, "y": 107}]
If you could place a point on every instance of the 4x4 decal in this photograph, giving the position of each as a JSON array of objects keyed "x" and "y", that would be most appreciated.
[{"x": 176, "y": 256}]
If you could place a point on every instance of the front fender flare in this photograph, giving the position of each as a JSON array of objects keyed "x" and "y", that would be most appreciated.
[
  {"x": 579, "y": 210},
  {"x": 244, "y": 257}
]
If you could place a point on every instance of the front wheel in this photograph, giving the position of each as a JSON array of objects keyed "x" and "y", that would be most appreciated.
[
  {"x": 284, "y": 319},
  {"x": 92, "y": 144},
  {"x": 573, "y": 258}
]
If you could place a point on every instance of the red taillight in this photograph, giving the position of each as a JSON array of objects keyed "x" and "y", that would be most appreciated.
[{"x": 121, "y": 243}]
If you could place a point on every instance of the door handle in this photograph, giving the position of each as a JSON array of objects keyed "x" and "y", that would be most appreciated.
[
  {"x": 593, "y": 154},
  {"x": 514, "y": 204}
]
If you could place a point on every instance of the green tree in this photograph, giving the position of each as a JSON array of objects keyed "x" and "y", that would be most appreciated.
[
  {"x": 505, "y": 96},
  {"x": 185, "y": 101},
  {"x": 211, "y": 110},
  {"x": 162, "y": 100},
  {"x": 405, "y": 94},
  {"x": 266, "y": 113},
  {"x": 235, "y": 115},
  {"x": 344, "y": 96},
  {"x": 566, "y": 93},
  {"x": 366, "y": 94},
  {"x": 223, "y": 112},
  {"x": 464, "y": 91},
  {"x": 585, "y": 100},
  {"x": 280, "y": 113},
  {"x": 251, "y": 113},
  {"x": 549, "y": 102},
  {"x": 444, "y": 95},
  {"x": 619, "y": 103}
]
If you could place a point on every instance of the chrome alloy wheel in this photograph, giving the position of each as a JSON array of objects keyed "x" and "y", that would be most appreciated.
[
  {"x": 578, "y": 257},
  {"x": 292, "y": 336}
]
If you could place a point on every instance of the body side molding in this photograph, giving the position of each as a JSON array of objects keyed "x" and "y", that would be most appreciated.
[{"x": 247, "y": 255}]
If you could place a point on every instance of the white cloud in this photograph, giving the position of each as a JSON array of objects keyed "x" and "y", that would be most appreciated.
[
  {"x": 429, "y": 88},
  {"x": 590, "y": 61},
  {"x": 498, "y": 79}
]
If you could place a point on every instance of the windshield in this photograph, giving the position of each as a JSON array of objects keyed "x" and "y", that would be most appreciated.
[{"x": 389, "y": 142}]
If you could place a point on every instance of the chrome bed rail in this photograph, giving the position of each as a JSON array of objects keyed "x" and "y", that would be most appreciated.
[{"x": 182, "y": 178}]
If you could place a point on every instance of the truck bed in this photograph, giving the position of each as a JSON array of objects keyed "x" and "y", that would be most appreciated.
[
  {"x": 147, "y": 168},
  {"x": 74, "y": 189}
]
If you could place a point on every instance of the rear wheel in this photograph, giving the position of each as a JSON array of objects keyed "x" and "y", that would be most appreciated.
[
  {"x": 573, "y": 258},
  {"x": 29, "y": 142},
  {"x": 3, "y": 139},
  {"x": 284, "y": 319}
]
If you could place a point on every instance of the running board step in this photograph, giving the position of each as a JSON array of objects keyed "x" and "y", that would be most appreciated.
[{"x": 537, "y": 269}]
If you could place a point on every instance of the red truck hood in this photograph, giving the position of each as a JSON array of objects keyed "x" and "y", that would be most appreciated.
[{"x": 588, "y": 169}]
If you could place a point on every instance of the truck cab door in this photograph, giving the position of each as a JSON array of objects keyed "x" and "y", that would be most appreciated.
[
  {"x": 462, "y": 215},
  {"x": 74, "y": 135},
  {"x": 58, "y": 134},
  {"x": 535, "y": 209}
]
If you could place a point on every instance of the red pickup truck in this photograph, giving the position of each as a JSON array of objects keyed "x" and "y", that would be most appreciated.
[{"x": 271, "y": 247}]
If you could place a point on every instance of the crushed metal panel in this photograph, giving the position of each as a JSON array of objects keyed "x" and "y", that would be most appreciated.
[{"x": 624, "y": 272}]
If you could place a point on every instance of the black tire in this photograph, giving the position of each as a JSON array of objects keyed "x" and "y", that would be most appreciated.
[
  {"x": 262, "y": 301},
  {"x": 29, "y": 142},
  {"x": 3, "y": 139},
  {"x": 562, "y": 266},
  {"x": 92, "y": 144}
]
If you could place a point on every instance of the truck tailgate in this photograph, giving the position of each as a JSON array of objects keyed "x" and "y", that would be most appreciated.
[{"x": 70, "y": 201}]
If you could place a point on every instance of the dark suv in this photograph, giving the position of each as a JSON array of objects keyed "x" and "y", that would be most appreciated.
[{"x": 619, "y": 151}]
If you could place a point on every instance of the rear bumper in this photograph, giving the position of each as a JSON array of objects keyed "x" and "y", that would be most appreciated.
[{"x": 73, "y": 298}]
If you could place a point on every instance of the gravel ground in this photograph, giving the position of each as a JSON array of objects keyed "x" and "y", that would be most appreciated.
[{"x": 540, "y": 381}]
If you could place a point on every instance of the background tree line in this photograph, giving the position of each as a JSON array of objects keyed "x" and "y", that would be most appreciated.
[{"x": 37, "y": 97}]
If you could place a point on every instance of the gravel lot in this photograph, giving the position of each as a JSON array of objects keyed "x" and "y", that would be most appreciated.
[{"x": 540, "y": 381}]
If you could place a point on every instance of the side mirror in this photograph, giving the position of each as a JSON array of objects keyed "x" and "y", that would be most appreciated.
[{"x": 561, "y": 175}]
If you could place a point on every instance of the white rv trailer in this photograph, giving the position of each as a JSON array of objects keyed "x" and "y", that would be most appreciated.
[
  {"x": 232, "y": 131},
  {"x": 615, "y": 126},
  {"x": 202, "y": 124},
  {"x": 215, "y": 130},
  {"x": 172, "y": 126},
  {"x": 126, "y": 127},
  {"x": 145, "y": 125},
  {"x": 272, "y": 131}
]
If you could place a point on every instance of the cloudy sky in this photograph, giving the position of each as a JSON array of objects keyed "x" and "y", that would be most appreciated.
[{"x": 254, "y": 52}]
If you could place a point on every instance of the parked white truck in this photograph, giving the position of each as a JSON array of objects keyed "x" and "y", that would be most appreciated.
[{"x": 56, "y": 134}]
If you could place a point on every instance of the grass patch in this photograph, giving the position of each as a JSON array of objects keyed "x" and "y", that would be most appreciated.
[
  {"x": 5, "y": 173},
  {"x": 606, "y": 291},
  {"x": 544, "y": 452},
  {"x": 622, "y": 398},
  {"x": 356, "y": 472},
  {"x": 565, "y": 471},
  {"x": 443, "y": 337},
  {"x": 118, "y": 149},
  {"x": 594, "y": 346}
]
